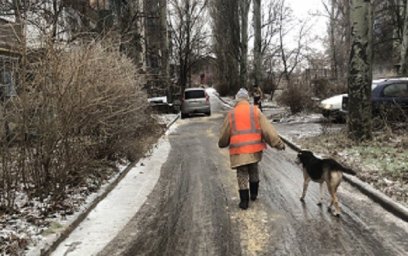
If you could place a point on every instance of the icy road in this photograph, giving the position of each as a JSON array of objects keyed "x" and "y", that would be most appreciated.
[{"x": 192, "y": 209}]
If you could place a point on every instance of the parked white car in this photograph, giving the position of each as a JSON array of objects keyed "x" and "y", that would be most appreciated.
[
  {"x": 195, "y": 100},
  {"x": 331, "y": 107}
]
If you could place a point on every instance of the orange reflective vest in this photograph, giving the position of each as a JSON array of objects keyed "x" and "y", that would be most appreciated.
[{"x": 246, "y": 134}]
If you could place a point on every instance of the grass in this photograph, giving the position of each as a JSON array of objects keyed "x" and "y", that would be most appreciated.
[{"x": 382, "y": 162}]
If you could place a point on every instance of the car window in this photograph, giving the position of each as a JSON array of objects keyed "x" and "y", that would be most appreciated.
[
  {"x": 396, "y": 90},
  {"x": 194, "y": 94}
]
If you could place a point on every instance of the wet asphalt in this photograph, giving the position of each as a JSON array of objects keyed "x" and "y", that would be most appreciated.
[{"x": 193, "y": 209}]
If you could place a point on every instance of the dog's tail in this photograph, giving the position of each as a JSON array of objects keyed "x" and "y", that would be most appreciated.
[{"x": 333, "y": 163}]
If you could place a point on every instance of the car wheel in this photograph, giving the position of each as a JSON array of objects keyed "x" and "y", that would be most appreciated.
[
  {"x": 340, "y": 119},
  {"x": 208, "y": 113},
  {"x": 183, "y": 115}
]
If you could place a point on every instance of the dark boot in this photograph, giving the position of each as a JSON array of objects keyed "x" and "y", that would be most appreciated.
[
  {"x": 253, "y": 188},
  {"x": 244, "y": 196}
]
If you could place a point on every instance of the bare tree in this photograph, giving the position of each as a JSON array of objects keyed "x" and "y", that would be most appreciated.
[
  {"x": 129, "y": 22},
  {"x": 404, "y": 49},
  {"x": 164, "y": 48},
  {"x": 258, "y": 41},
  {"x": 290, "y": 57},
  {"x": 226, "y": 35},
  {"x": 152, "y": 37},
  {"x": 280, "y": 58},
  {"x": 270, "y": 46},
  {"x": 333, "y": 16},
  {"x": 244, "y": 11},
  {"x": 360, "y": 71},
  {"x": 189, "y": 36},
  {"x": 338, "y": 13}
]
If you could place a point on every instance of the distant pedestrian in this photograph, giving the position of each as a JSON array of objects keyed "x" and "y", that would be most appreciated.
[
  {"x": 245, "y": 131},
  {"x": 258, "y": 96}
]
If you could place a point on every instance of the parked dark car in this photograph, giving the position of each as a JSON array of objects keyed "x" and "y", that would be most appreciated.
[
  {"x": 389, "y": 98},
  {"x": 161, "y": 105}
]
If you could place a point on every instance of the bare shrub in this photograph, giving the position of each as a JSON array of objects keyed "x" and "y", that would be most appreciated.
[
  {"x": 324, "y": 88},
  {"x": 297, "y": 97},
  {"x": 269, "y": 86},
  {"x": 392, "y": 117},
  {"x": 78, "y": 109},
  {"x": 224, "y": 89}
]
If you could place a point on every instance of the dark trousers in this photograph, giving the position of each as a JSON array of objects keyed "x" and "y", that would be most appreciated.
[
  {"x": 258, "y": 102},
  {"x": 247, "y": 173}
]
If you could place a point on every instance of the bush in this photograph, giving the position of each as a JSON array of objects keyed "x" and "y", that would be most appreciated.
[
  {"x": 75, "y": 111},
  {"x": 323, "y": 88},
  {"x": 297, "y": 97}
]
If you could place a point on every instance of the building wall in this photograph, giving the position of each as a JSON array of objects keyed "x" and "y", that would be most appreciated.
[
  {"x": 10, "y": 35},
  {"x": 99, "y": 4}
]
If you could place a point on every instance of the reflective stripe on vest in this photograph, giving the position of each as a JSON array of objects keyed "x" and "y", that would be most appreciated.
[{"x": 246, "y": 134}]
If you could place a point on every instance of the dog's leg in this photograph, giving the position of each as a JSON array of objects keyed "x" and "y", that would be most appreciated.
[
  {"x": 329, "y": 188},
  {"x": 321, "y": 195},
  {"x": 305, "y": 184},
  {"x": 336, "y": 205},
  {"x": 334, "y": 201}
]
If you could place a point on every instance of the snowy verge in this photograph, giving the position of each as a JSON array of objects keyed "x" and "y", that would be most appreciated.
[
  {"x": 43, "y": 241},
  {"x": 106, "y": 220},
  {"x": 385, "y": 201}
]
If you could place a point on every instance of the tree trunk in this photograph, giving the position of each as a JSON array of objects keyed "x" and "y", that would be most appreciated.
[
  {"x": 164, "y": 46},
  {"x": 404, "y": 49},
  {"x": 227, "y": 45},
  {"x": 188, "y": 42},
  {"x": 360, "y": 71},
  {"x": 258, "y": 41},
  {"x": 152, "y": 37},
  {"x": 333, "y": 45},
  {"x": 244, "y": 6}
]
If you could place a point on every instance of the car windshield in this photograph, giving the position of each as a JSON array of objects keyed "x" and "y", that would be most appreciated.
[{"x": 194, "y": 94}]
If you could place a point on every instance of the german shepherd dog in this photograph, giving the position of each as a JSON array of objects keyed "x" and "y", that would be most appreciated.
[{"x": 322, "y": 170}]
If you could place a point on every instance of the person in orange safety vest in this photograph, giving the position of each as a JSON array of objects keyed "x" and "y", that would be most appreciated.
[{"x": 246, "y": 131}]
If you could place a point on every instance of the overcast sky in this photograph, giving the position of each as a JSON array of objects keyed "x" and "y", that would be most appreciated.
[
  {"x": 302, "y": 10},
  {"x": 302, "y": 7}
]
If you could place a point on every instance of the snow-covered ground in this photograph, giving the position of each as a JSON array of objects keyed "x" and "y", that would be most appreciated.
[
  {"x": 166, "y": 119},
  {"x": 29, "y": 226},
  {"x": 106, "y": 220},
  {"x": 33, "y": 227}
]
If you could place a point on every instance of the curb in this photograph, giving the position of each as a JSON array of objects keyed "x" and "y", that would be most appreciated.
[
  {"x": 47, "y": 250},
  {"x": 173, "y": 121},
  {"x": 377, "y": 196},
  {"x": 75, "y": 223}
]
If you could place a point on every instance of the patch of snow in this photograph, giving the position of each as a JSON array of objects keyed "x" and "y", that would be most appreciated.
[
  {"x": 111, "y": 214},
  {"x": 34, "y": 228},
  {"x": 303, "y": 118},
  {"x": 165, "y": 118},
  {"x": 161, "y": 99},
  {"x": 211, "y": 90}
]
